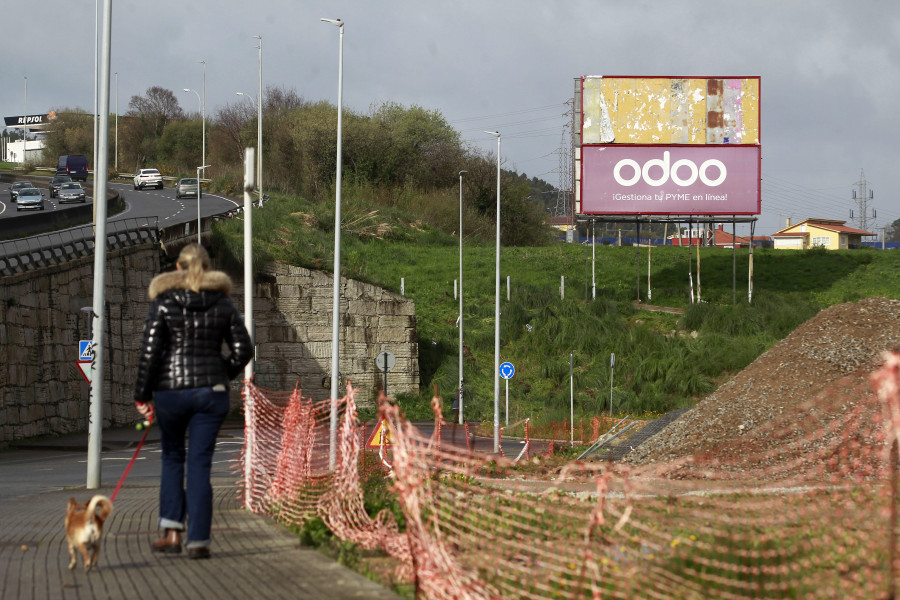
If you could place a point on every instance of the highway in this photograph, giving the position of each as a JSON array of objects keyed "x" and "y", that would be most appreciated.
[{"x": 160, "y": 204}]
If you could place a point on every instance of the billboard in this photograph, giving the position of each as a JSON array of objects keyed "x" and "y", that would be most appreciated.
[
  {"x": 649, "y": 179},
  {"x": 668, "y": 145}
]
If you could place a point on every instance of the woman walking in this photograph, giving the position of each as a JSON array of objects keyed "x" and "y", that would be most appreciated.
[{"x": 194, "y": 343}]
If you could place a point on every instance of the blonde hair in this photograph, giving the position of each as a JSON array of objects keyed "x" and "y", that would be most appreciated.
[{"x": 194, "y": 261}]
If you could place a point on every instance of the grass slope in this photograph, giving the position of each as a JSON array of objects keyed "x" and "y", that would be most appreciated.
[{"x": 663, "y": 361}]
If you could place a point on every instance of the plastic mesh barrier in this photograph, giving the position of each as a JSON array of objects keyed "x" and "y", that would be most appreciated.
[{"x": 805, "y": 507}]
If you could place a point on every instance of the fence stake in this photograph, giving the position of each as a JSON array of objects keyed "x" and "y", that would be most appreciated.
[
  {"x": 892, "y": 526},
  {"x": 612, "y": 366},
  {"x": 571, "y": 403}
]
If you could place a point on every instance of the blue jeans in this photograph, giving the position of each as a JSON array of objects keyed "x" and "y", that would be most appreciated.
[{"x": 199, "y": 413}]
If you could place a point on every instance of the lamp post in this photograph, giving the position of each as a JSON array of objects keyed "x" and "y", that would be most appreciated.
[
  {"x": 25, "y": 124},
  {"x": 203, "y": 121},
  {"x": 96, "y": 93},
  {"x": 117, "y": 124},
  {"x": 202, "y": 118},
  {"x": 259, "y": 102},
  {"x": 460, "y": 389},
  {"x": 101, "y": 173},
  {"x": 336, "y": 300},
  {"x": 198, "y": 201},
  {"x": 497, "y": 311}
]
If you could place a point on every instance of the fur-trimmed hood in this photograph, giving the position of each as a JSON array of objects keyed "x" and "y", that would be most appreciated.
[{"x": 213, "y": 281}]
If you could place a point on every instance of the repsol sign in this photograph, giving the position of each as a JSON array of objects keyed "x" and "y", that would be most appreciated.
[
  {"x": 658, "y": 171},
  {"x": 631, "y": 179},
  {"x": 23, "y": 120}
]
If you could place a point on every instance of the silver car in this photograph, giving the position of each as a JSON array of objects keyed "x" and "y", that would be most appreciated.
[
  {"x": 71, "y": 192},
  {"x": 30, "y": 199},
  {"x": 56, "y": 182},
  {"x": 187, "y": 187},
  {"x": 14, "y": 189}
]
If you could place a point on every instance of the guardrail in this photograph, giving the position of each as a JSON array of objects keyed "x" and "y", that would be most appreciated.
[
  {"x": 19, "y": 256},
  {"x": 25, "y": 254}
]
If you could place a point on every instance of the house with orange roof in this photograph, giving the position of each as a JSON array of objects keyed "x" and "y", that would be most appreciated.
[
  {"x": 819, "y": 233},
  {"x": 717, "y": 237}
]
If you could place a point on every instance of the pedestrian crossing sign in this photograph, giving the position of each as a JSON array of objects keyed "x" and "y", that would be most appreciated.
[
  {"x": 381, "y": 437},
  {"x": 85, "y": 349}
]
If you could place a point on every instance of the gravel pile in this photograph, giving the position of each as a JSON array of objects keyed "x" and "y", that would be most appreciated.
[{"x": 836, "y": 348}]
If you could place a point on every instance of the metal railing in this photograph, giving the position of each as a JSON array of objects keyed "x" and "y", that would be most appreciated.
[{"x": 19, "y": 256}]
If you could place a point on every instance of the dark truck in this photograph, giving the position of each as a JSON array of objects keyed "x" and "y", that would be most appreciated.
[{"x": 73, "y": 165}]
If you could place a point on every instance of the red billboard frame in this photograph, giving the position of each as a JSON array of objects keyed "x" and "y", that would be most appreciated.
[{"x": 599, "y": 192}]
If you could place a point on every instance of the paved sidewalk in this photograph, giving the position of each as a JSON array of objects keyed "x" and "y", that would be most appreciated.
[{"x": 252, "y": 556}]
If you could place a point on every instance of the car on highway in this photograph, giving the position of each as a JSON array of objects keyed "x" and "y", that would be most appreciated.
[
  {"x": 56, "y": 182},
  {"x": 148, "y": 178},
  {"x": 188, "y": 187},
  {"x": 30, "y": 198},
  {"x": 71, "y": 192},
  {"x": 14, "y": 189},
  {"x": 73, "y": 165}
]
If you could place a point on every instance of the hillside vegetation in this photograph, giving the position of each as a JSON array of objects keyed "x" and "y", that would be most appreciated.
[
  {"x": 662, "y": 360},
  {"x": 400, "y": 220}
]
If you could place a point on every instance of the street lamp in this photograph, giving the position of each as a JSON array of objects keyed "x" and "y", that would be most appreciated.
[
  {"x": 96, "y": 100},
  {"x": 198, "y": 201},
  {"x": 496, "y": 134},
  {"x": 202, "y": 118},
  {"x": 460, "y": 389},
  {"x": 336, "y": 301},
  {"x": 117, "y": 124},
  {"x": 25, "y": 124},
  {"x": 259, "y": 102}
]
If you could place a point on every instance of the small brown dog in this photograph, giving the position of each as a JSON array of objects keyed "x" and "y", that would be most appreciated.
[{"x": 84, "y": 528}]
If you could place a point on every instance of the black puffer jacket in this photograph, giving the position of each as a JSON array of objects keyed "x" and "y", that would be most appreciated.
[{"x": 184, "y": 333}]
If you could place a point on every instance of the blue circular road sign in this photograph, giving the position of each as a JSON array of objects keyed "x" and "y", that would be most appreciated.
[{"x": 507, "y": 370}]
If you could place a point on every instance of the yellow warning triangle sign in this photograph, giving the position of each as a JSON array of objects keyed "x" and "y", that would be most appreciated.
[{"x": 381, "y": 437}]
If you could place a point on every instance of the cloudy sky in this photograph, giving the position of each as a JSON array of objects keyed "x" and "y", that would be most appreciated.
[{"x": 830, "y": 71}]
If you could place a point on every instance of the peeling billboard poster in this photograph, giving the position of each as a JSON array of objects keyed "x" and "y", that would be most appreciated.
[
  {"x": 648, "y": 179},
  {"x": 670, "y": 110},
  {"x": 667, "y": 145}
]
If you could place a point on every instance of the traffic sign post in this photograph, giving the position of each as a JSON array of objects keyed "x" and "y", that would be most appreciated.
[
  {"x": 86, "y": 350},
  {"x": 385, "y": 361},
  {"x": 507, "y": 370},
  {"x": 381, "y": 436},
  {"x": 85, "y": 358},
  {"x": 84, "y": 366}
]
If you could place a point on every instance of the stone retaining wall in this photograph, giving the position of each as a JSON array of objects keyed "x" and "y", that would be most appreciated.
[{"x": 42, "y": 391}]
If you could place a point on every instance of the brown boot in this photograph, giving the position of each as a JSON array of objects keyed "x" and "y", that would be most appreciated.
[{"x": 170, "y": 542}]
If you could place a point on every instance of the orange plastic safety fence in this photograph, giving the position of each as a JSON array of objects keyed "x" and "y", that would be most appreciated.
[{"x": 802, "y": 507}]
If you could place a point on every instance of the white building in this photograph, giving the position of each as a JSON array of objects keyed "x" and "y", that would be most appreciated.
[{"x": 19, "y": 151}]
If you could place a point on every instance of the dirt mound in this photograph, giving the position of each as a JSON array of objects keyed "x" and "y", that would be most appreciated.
[{"x": 837, "y": 347}]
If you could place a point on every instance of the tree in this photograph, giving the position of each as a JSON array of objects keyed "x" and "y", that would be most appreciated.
[
  {"x": 157, "y": 108},
  {"x": 893, "y": 232},
  {"x": 415, "y": 145},
  {"x": 227, "y": 128},
  {"x": 178, "y": 149},
  {"x": 145, "y": 122},
  {"x": 72, "y": 133}
]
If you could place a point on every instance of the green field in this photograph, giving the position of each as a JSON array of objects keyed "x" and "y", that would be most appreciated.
[{"x": 663, "y": 360}]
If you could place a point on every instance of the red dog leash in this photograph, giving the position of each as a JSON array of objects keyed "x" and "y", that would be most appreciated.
[{"x": 133, "y": 458}]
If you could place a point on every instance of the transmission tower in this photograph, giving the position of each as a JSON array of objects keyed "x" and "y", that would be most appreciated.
[
  {"x": 563, "y": 190},
  {"x": 861, "y": 195}
]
